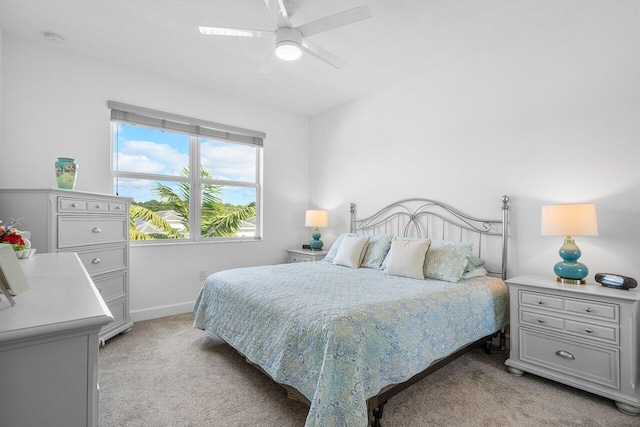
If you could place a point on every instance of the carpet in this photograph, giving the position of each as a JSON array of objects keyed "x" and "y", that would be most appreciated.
[{"x": 166, "y": 373}]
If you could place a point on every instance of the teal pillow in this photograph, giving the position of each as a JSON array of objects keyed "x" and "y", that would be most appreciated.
[
  {"x": 446, "y": 260},
  {"x": 474, "y": 262},
  {"x": 376, "y": 250}
]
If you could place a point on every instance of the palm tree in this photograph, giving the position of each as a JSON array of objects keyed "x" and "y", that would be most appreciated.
[{"x": 217, "y": 220}]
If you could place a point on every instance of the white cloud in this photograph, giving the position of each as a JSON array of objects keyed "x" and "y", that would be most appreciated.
[
  {"x": 151, "y": 157},
  {"x": 229, "y": 161}
]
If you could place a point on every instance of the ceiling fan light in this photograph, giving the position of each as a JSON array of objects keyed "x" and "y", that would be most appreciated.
[{"x": 288, "y": 50}]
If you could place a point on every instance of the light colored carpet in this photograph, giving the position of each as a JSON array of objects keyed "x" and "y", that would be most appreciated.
[{"x": 166, "y": 373}]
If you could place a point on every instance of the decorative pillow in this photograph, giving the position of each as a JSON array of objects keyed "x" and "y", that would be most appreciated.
[
  {"x": 406, "y": 258},
  {"x": 476, "y": 272},
  {"x": 447, "y": 260},
  {"x": 474, "y": 262},
  {"x": 351, "y": 251},
  {"x": 385, "y": 263},
  {"x": 376, "y": 250},
  {"x": 331, "y": 255}
]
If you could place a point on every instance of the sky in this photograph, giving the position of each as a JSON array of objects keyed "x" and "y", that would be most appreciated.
[{"x": 144, "y": 150}]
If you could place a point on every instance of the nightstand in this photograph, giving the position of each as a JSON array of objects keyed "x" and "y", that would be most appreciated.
[
  {"x": 585, "y": 336},
  {"x": 305, "y": 255}
]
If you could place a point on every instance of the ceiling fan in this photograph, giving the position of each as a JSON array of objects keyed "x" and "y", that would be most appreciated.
[{"x": 291, "y": 41}]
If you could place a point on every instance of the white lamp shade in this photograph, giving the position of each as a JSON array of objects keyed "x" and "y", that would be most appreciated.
[
  {"x": 316, "y": 219},
  {"x": 569, "y": 220}
]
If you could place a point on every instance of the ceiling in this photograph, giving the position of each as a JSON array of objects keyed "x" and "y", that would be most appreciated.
[{"x": 403, "y": 39}]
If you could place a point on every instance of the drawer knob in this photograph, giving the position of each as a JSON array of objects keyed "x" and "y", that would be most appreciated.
[
  {"x": 565, "y": 355},
  {"x": 588, "y": 310},
  {"x": 96, "y": 261},
  {"x": 117, "y": 208},
  {"x": 540, "y": 320},
  {"x": 540, "y": 302},
  {"x": 588, "y": 330},
  {"x": 99, "y": 290},
  {"x": 74, "y": 205},
  {"x": 98, "y": 206},
  {"x": 97, "y": 230}
]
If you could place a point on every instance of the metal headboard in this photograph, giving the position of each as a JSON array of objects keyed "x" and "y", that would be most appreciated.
[{"x": 431, "y": 219}]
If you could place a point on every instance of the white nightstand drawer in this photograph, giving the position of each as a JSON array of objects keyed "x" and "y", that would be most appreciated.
[
  {"x": 80, "y": 231},
  {"x": 593, "y": 331},
  {"x": 593, "y": 309},
  {"x": 304, "y": 255},
  {"x": 544, "y": 320},
  {"x": 585, "y": 362},
  {"x": 535, "y": 299}
]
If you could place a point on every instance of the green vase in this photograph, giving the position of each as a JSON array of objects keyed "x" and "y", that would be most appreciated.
[{"x": 66, "y": 172}]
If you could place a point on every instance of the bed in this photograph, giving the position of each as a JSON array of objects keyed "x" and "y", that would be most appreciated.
[{"x": 345, "y": 340}]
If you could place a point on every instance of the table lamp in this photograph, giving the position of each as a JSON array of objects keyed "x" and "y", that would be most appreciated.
[
  {"x": 316, "y": 219},
  {"x": 570, "y": 220}
]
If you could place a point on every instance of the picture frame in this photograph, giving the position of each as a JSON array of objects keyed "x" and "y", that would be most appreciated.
[{"x": 12, "y": 278}]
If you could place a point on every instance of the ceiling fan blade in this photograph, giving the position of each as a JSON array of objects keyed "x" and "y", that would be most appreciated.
[
  {"x": 267, "y": 66},
  {"x": 279, "y": 12},
  {"x": 322, "y": 54},
  {"x": 236, "y": 32},
  {"x": 339, "y": 19}
]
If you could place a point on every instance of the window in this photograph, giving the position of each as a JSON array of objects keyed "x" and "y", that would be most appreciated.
[{"x": 190, "y": 180}]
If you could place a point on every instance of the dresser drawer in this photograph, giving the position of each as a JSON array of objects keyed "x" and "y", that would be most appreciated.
[
  {"x": 104, "y": 260},
  {"x": 596, "y": 310},
  {"x": 604, "y": 333},
  {"x": 71, "y": 205},
  {"x": 543, "y": 320},
  {"x": 81, "y": 231},
  {"x": 68, "y": 204},
  {"x": 535, "y": 299},
  {"x": 585, "y": 362},
  {"x": 117, "y": 207},
  {"x": 111, "y": 286},
  {"x": 93, "y": 206},
  {"x": 118, "y": 309}
]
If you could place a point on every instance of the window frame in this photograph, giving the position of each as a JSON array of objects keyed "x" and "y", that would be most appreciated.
[{"x": 196, "y": 183}]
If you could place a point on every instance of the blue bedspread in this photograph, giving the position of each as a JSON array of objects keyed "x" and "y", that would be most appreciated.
[{"x": 339, "y": 335}]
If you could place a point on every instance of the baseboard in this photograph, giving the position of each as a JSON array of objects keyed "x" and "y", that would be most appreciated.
[{"x": 162, "y": 311}]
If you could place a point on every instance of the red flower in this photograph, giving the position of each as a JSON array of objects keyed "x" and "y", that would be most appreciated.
[{"x": 14, "y": 239}]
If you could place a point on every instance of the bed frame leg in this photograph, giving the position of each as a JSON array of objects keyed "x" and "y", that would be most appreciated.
[
  {"x": 503, "y": 335},
  {"x": 487, "y": 346},
  {"x": 377, "y": 415}
]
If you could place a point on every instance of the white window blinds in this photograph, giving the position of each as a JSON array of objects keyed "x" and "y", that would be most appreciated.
[{"x": 130, "y": 114}]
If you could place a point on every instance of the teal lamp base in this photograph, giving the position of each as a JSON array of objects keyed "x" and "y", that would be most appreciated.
[
  {"x": 316, "y": 243},
  {"x": 570, "y": 270}
]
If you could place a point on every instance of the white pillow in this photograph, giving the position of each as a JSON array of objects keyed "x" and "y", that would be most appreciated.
[
  {"x": 351, "y": 251},
  {"x": 406, "y": 258}
]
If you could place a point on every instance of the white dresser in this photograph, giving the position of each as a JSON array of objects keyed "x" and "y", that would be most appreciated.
[
  {"x": 586, "y": 336},
  {"x": 49, "y": 346},
  {"x": 95, "y": 226}
]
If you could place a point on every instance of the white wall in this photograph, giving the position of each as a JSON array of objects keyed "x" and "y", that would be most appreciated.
[
  {"x": 550, "y": 117},
  {"x": 0, "y": 90},
  {"x": 54, "y": 103}
]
